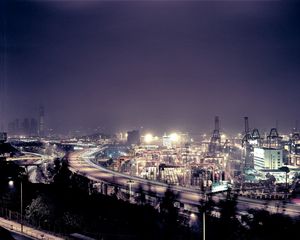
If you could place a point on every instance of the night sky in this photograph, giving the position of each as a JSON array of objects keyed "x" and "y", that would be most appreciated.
[{"x": 162, "y": 65}]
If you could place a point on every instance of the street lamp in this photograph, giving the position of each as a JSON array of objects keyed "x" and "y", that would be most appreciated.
[
  {"x": 21, "y": 205},
  {"x": 203, "y": 224},
  {"x": 203, "y": 215},
  {"x": 11, "y": 185},
  {"x": 193, "y": 216},
  {"x": 130, "y": 182},
  {"x": 21, "y": 177},
  {"x": 203, "y": 208},
  {"x": 193, "y": 219}
]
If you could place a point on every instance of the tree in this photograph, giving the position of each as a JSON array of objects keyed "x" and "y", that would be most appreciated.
[
  {"x": 169, "y": 214},
  {"x": 38, "y": 211},
  {"x": 264, "y": 225},
  {"x": 228, "y": 208},
  {"x": 228, "y": 223},
  {"x": 286, "y": 170},
  {"x": 72, "y": 221},
  {"x": 63, "y": 177},
  {"x": 141, "y": 199}
]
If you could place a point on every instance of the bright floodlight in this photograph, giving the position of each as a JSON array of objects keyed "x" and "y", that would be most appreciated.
[
  {"x": 193, "y": 216},
  {"x": 148, "y": 138},
  {"x": 174, "y": 137},
  {"x": 11, "y": 183}
]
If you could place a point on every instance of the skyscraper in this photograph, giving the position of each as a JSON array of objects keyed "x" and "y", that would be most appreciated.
[
  {"x": 33, "y": 127},
  {"x": 41, "y": 121},
  {"x": 26, "y": 127}
]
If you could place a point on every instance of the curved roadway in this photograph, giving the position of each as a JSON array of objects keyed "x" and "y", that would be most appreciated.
[{"x": 80, "y": 162}]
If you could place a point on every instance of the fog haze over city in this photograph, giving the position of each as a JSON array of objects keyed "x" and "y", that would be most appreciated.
[
  {"x": 160, "y": 65},
  {"x": 149, "y": 119}
]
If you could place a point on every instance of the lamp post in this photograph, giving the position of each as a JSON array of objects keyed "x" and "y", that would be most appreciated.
[
  {"x": 21, "y": 177},
  {"x": 203, "y": 214},
  {"x": 11, "y": 185},
  {"x": 203, "y": 209},
  {"x": 203, "y": 225},
  {"x": 129, "y": 183},
  {"x": 21, "y": 205}
]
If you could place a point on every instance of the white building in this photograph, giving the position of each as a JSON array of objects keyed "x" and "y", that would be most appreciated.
[
  {"x": 267, "y": 158},
  {"x": 167, "y": 142}
]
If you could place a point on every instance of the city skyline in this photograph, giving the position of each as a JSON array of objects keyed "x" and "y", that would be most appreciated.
[
  {"x": 149, "y": 119},
  {"x": 161, "y": 65}
]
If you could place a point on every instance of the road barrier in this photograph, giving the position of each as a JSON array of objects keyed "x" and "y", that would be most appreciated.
[{"x": 11, "y": 221}]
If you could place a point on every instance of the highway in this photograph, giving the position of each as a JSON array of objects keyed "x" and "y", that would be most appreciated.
[
  {"x": 80, "y": 162},
  {"x": 28, "y": 232}
]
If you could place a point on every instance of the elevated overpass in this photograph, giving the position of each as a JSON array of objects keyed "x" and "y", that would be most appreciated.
[
  {"x": 29, "y": 159},
  {"x": 80, "y": 163}
]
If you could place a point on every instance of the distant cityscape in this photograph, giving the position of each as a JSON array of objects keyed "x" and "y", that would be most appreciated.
[
  {"x": 262, "y": 172},
  {"x": 149, "y": 120},
  {"x": 32, "y": 127},
  {"x": 202, "y": 161}
]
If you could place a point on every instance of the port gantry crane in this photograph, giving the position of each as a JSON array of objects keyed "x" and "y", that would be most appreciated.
[{"x": 215, "y": 141}]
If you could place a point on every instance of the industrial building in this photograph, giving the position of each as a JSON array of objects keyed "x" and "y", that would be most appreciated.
[{"x": 267, "y": 158}]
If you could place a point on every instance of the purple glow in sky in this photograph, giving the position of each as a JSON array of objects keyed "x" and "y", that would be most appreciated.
[{"x": 159, "y": 64}]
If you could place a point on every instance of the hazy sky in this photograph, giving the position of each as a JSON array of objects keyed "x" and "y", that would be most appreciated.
[{"x": 163, "y": 65}]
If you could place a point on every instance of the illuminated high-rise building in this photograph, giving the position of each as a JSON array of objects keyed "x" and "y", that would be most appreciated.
[
  {"x": 267, "y": 158},
  {"x": 33, "y": 127},
  {"x": 41, "y": 127}
]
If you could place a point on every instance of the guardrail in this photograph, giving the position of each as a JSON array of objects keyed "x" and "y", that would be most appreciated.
[
  {"x": 266, "y": 196},
  {"x": 11, "y": 221},
  {"x": 27, "y": 231}
]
